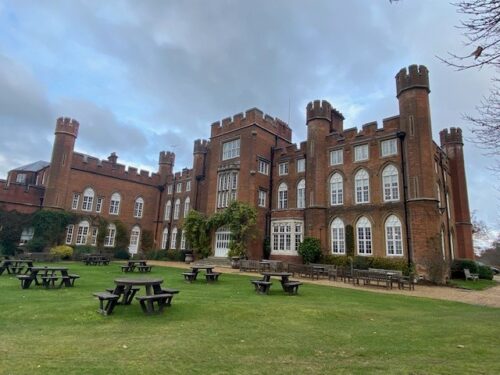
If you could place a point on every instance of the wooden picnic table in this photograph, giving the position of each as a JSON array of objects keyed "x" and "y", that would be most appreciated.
[
  {"x": 125, "y": 288},
  {"x": 96, "y": 260},
  {"x": 16, "y": 266},
  {"x": 48, "y": 276},
  {"x": 285, "y": 276}
]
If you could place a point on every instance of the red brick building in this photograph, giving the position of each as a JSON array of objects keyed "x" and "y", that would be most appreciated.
[{"x": 403, "y": 195}]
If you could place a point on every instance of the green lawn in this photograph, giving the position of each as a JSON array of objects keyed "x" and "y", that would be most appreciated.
[
  {"x": 225, "y": 328},
  {"x": 480, "y": 284}
]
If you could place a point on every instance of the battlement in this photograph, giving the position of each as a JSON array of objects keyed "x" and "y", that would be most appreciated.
[
  {"x": 200, "y": 146},
  {"x": 67, "y": 125},
  {"x": 453, "y": 136},
  {"x": 417, "y": 76},
  {"x": 92, "y": 164},
  {"x": 252, "y": 116},
  {"x": 319, "y": 109},
  {"x": 166, "y": 157},
  {"x": 185, "y": 174}
]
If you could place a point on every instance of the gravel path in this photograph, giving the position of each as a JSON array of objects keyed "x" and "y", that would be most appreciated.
[{"x": 489, "y": 297}]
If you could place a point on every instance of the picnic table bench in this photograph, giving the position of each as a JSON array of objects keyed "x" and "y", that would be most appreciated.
[{"x": 49, "y": 276}]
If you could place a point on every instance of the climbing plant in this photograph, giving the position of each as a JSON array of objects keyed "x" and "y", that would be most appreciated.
[
  {"x": 197, "y": 230},
  {"x": 50, "y": 226},
  {"x": 11, "y": 227}
]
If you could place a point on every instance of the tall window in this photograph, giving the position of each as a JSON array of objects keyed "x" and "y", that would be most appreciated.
[
  {"x": 188, "y": 185},
  {"x": 168, "y": 209},
  {"x": 82, "y": 233},
  {"x": 364, "y": 236},
  {"x": 282, "y": 196},
  {"x": 262, "y": 198},
  {"x": 336, "y": 189},
  {"x": 283, "y": 168},
  {"x": 301, "y": 194},
  {"x": 74, "y": 202},
  {"x": 389, "y": 147},
  {"x": 361, "y": 153},
  {"x": 187, "y": 207},
  {"x": 438, "y": 195},
  {"x": 362, "y": 186},
  {"x": 178, "y": 187},
  {"x": 337, "y": 157},
  {"x": 69, "y": 234},
  {"x": 99, "y": 203},
  {"x": 164, "y": 239},
  {"x": 135, "y": 234},
  {"x": 170, "y": 189},
  {"x": 390, "y": 179},
  {"x": 286, "y": 236},
  {"x": 93, "y": 236},
  {"x": 231, "y": 149},
  {"x": 173, "y": 239},
  {"x": 138, "y": 207},
  {"x": 114, "y": 204},
  {"x": 263, "y": 167},
  {"x": 177, "y": 207},
  {"x": 88, "y": 199},
  {"x": 109, "y": 240},
  {"x": 183, "y": 240},
  {"x": 226, "y": 188},
  {"x": 338, "y": 236},
  {"x": 393, "y": 236},
  {"x": 301, "y": 165}
]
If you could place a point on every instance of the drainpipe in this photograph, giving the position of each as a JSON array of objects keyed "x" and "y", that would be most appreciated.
[{"x": 401, "y": 135}]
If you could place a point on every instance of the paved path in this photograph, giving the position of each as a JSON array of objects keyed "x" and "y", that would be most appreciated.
[{"x": 489, "y": 297}]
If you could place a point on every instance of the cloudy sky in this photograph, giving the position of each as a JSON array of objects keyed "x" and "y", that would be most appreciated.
[{"x": 142, "y": 77}]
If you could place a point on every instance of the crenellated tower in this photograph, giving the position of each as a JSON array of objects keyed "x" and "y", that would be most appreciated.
[
  {"x": 165, "y": 165},
  {"x": 62, "y": 155},
  {"x": 452, "y": 144}
]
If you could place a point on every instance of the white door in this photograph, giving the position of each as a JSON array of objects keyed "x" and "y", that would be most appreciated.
[{"x": 222, "y": 238}]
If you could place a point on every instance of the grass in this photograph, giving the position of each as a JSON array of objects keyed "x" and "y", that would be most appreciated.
[
  {"x": 480, "y": 284},
  {"x": 225, "y": 328}
]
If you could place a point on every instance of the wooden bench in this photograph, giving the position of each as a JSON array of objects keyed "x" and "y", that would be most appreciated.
[
  {"x": 189, "y": 276},
  {"x": 211, "y": 277},
  {"x": 406, "y": 281},
  {"x": 261, "y": 286},
  {"x": 128, "y": 268},
  {"x": 291, "y": 287},
  {"x": 249, "y": 265},
  {"x": 144, "y": 268},
  {"x": 69, "y": 280},
  {"x": 147, "y": 302},
  {"x": 49, "y": 280},
  {"x": 107, "y": 302},
  {"x": 127, "y": 300},
  {"x": 26, "y": 281}
]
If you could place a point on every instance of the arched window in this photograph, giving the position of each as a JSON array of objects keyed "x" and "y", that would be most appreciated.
[
  {"x": 109, "y": 240},
  {"x": 362, "y": 186},
  {"x": 114, "y": 204},
  {"x": 183, "y": 240},
  {"x": 364, "y": 236},
  {"x": 336, "y": 189},
  {"x": 177, "y": 207},
  {"x": 393, "y": 236},
  {"x": 187, "y": 207},
  {"x": 301, "y": 194},
  {"x": 82, "y": 233},
  {"x": 173, "y": 239},
  {"x": 138, "y": 207},
  {"x": 168, "y": 209},
  {"x": 135, "y": 234},
  {"x": 338, "y": 236},
  {"x": 390, "y": 180},
  {"x": 88, "y": 199},
  {"x": 283, "y": 196},
  {"x": 164, "y": 239}
]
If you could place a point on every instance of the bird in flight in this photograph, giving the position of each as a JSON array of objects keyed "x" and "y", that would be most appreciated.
[{"x": 477, "y": 52}]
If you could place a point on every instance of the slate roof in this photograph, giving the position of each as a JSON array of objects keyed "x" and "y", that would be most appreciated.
[{"x": 33, "y": 167}]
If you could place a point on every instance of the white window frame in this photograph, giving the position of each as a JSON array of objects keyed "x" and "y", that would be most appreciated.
[
  {"x": 99, "y": 204},
  {"x": 88, "y": 199},
  {"x": 286, "y": 236},
  {"x": 337, "y": 231},
  {"x": 114, "y": 204},
  {"x": 301, "y": 194},
  {"x": 393, "y": 236},
  {"x": 82, "y": 233},
  {"x": 170, "y": 189},
  {"x": 135, "y": 235},
  {"x": 188, "y": 185},
  {"x": 177, "y": 208},
  {"x": 301, "y": 165},
  {"x": 282, "y": 196},
  {"x": 262, "y": 198},
  {"x": 222, "y": 239},
  {"x": 231, "y": 149},
  {"x": 390, "y": 182},
  {"x": 263, "y": 167},
  {"x": 227, "y": 188},
  {"x": 75, "y": 201},
  {"x": 337, "y": 157},
  {"x": 173, "y": 239},
  {"x": 109, "y": 239},
  {"x": 361, "y": 153},
  {"x": 336, "y": 190},
  {"x": 168, "y": 210},
  {"x": 178, "y": 187},
  {"x": 187, "y": 206},
  {"x": 69, "y": 234},
  {"x": 139, "y": 207},
  {"x": 164, "y": 238},
  {"x": 283, "y": 168},
  {"x": 389, "y": 147},
  {"x": 21, "y": 178},
  {"x": 93, "y": 236},
  {"x": 362, "y": 187},
  {"x": 183, "y": 240},
  {"x": 364, "y": 237}
]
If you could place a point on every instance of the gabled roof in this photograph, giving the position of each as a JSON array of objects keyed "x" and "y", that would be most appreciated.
[{"x": 33, "y": 167}]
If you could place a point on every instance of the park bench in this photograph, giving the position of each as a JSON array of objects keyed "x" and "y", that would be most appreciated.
[
  {"x": 404, "y": 281},
  {"x": 302, "y": 270},
  {"x": 214, "y": 276},
  {"x": 26, "y": 280},
  {"x": 147, "y": 302},
  {"x": 261, "y": 286},
  {"x": 470, "y": 276},
  {"x": 107, "y": 302},
  {"x": 127, "y": 268},
  {"x": 69, "y": 280},
  {"x": 291, "y": 287},
  {"x": 249, "y": 265},
  {"x": 142, "y": 268},
  {"x": 49, "y": 280},
  {"x": 190, "y": 276},
  {"x": 129, "y": 298}
]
